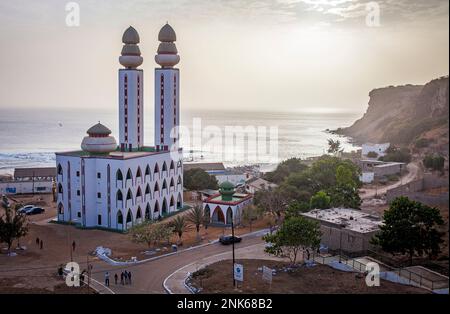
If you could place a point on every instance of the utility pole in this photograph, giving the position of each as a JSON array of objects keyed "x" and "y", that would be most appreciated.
[{"x": 232, "y": 243}]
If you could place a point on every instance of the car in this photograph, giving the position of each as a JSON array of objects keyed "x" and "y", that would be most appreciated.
[
  {"x": 34, "y": 211},
  {"x": 229, "y": 239},
  {"x": 25, "y": 208}
]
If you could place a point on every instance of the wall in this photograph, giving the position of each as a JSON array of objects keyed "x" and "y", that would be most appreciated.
[
  {"x": 350, "y": 241},
  {"x": 24, "y": 187}
]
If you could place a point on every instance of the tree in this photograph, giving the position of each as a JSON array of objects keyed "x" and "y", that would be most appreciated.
[
  {"x": 295, "y": 208},
  {"x": 396, "y": 154},
  {"x": 334, "y": 147},
  {"x": 179, "y": 225},
  {"x": 411, "y": 228},
  {"x": 345, "y": 196},
  {"x": 284, "y": 169},
  {"x": 13, "y": 225},
  {"x": 435, "y": 162},
  {"x": 295, "y": 234},
  {"x": 320, "y": 200},
  {"x": 196, "y": 216},
  {"x": 250, "y": 214},
  {"x": 197, "y": 179},
  {"x": 272, "y": 202},
  {"x": 150, "y": 232}
]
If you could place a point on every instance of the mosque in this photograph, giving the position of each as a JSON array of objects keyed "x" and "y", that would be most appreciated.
[{"x": 117, "y": 185}]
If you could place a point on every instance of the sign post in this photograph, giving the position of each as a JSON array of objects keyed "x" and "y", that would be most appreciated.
[{"x": 238, "y": 272}]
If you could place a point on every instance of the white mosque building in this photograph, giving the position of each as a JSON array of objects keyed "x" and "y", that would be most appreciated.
[{"x": 115, "y": 186}]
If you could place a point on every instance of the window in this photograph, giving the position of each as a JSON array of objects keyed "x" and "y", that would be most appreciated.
[
  {"x": 78, "y": 192},
  {"x": 99, "y": 175},
  {"x": 78, "y": 173},
  {"x": 79, "y": 214},
  {"x": 41, "y": 188},
  {"x": 99, "y": 219},
  {"x": 99, "y": 195}
]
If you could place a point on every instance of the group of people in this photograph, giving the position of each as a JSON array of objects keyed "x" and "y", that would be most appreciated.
[
  {"x": 125, "y": 278},
  {"x": 40, "y": 243}
]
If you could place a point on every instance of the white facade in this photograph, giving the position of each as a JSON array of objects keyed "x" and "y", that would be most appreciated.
[
  {"x": 367, "y": 177},
  {"x": 96, "y": 192},
  {"x": 120, "y": 187},
  {"x": 224, "y": 212},
  {"x": 24, "y": 187},
  {"x": 131, "y": 109},
  {"x": 379, "y": 149},
  {"x": 167, "y": 104}
]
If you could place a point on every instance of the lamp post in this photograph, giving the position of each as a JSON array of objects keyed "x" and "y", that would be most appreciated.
[{"x": 232, "y": 243}]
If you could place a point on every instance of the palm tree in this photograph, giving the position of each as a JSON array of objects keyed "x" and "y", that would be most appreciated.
[
  {"x": 196, "y": 217},
  {"x": 179, "y": 226}
]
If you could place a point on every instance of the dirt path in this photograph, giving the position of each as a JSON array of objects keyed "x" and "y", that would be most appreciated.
[{"x": 414, "y": 172}]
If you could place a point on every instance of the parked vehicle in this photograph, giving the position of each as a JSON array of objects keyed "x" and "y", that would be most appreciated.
[
  {"x": 25, "y": 208},
  {"x": 229, "y": 239},
  {"x": 35, "y": 211}
]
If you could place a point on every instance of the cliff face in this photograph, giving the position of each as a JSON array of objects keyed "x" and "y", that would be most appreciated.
[{"x": 401, "y": 114}]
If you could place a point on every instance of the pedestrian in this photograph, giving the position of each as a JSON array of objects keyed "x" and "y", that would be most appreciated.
[
  {"x": 125, "y": 276},
  {"x": 129, "y": 277},
  {"x": 107, "y": 279},
  {"x": 308, "y": 254},
  {"x": 115, "y": 278},
  {"x": 73, "y": 245},
  {"x": 37, "y": 241},
  {"x": 121, "y": 278},
  {"x": 41, "y": 244}
]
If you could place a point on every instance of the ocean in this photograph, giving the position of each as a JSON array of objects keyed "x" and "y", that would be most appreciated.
[{"x": 29, "y": 137}]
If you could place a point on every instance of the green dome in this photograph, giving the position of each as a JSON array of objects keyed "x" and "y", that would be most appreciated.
[{"x": 226, "y": 185}]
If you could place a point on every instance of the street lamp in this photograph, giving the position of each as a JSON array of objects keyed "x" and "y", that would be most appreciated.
[{"x": 232, "y": 243}]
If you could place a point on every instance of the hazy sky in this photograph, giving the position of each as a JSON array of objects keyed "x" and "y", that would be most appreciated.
[{"x": 280, "y": 55}]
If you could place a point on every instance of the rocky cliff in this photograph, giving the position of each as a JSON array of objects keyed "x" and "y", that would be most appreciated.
[{"x": 402, "y": 114}]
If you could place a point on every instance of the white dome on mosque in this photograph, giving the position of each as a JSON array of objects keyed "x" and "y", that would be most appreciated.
[
  {"x": 131, "y": 54},
  {"x": 167, "y": 56},
  {"x": 98, "y": 140}
]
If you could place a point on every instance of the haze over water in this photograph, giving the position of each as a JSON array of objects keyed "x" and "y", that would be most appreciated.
[{"x": 30, "y": 137}]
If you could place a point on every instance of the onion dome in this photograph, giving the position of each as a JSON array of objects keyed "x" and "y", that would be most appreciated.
[
  {"x": 167, "y": 55},
  {"x": 98, "y": 140},
  {"x": 131, "y": 54},
  {"x": 226, "y": 189}
]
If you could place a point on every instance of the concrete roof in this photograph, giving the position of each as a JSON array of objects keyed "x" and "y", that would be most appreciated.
[
  {"x": 35, "y": 172},
  {"x": 207, "y": 166},
  {"x": 346, "y": 218}
]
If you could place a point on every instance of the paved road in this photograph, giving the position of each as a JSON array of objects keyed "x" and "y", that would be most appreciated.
[
  {"x": 413, "y": 174},
  {"x": 149, "y": 277}
]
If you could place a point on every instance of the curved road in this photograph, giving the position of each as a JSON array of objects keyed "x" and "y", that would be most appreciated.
[{"x": 149, "y": 276}]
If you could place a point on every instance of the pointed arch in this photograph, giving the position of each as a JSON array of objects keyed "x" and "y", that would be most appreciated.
[
  {"x": 138, "y": 213},
  {"x": 119, "y": 217},
  {"x": 217, "y": 216},
  {"x": 172, "y": 165},
  {"x": 60, "y": 188},
  {"x": 156, "y": 209},
  {"x": 156, "y": 188},
  {"x": 138, "y": 195},
  {"x": 138, "y": 174},
  {"x": 164, "y": 208},
  {"x": 179, "y": 180},
  {"x": 60, "y": 209},
  {"x": 147, "y": 172},
  {"x": 119, "y": 175},
  {"x": 147, "y": 212},
  {"x": 172, "y": 183},
  {"x": 172, "y": 202},
  {"x": 60, "y": 169},
  {"x": 229, "y": 215},
  {"x": 156, "y": 171},
  {"x": 147, "y": 192},
  {"x": 164, "y": 166},
  {"x": 119, "y": 197},
  {"x": 164, "y": 185},
  {"x": 129, "y": 221},
  {"x": 129, "y": 197},
  {"x": 129, "y": 174},
  {"x": 179, "y": 201}
]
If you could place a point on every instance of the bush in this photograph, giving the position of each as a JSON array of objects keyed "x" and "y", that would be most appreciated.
[
  {"x": 422, "y": 142},
  {"x": 435, "y": 162},
  {"x": 397, "y": 155}
]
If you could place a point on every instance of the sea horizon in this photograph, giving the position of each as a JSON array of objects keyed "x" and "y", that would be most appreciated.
[{"x": 30, "y": 137}]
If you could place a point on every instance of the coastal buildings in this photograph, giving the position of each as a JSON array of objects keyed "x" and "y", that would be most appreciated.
[
  {"x": 257, "y": 184},
  {"x": 345, "y": 229},
  {"x": 376, "y": 169},
  {"x": 115, "y": 186},
  {"x": 227, "y": 205},
  {"x": 217, "y": 169},
  {"x": 29, "y": 180},
  {"x": 378, "y": 150}
]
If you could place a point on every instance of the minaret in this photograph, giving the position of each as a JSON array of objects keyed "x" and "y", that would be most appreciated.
[
  {"x": 131, "y": 96},
  {"x": 167, "y": 87}
]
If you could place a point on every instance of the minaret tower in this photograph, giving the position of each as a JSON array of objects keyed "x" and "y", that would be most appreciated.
[
  {"x": 167, "y": 95},
  {"x": 131, "y": 96}
]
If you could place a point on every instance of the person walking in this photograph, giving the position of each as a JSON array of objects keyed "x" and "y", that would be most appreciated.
[
  {"x": 73, "y": 245},
  {"x": 121, "y": 278},
  {"x": 129, "y": 277},
  {"x": 115, "y": 278},
  {"x": 41, "y": 244},
  {"x": 107, "y": 279},
  {"x": 37, "y": 241},
  {"x": 125, "y": 276}
]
